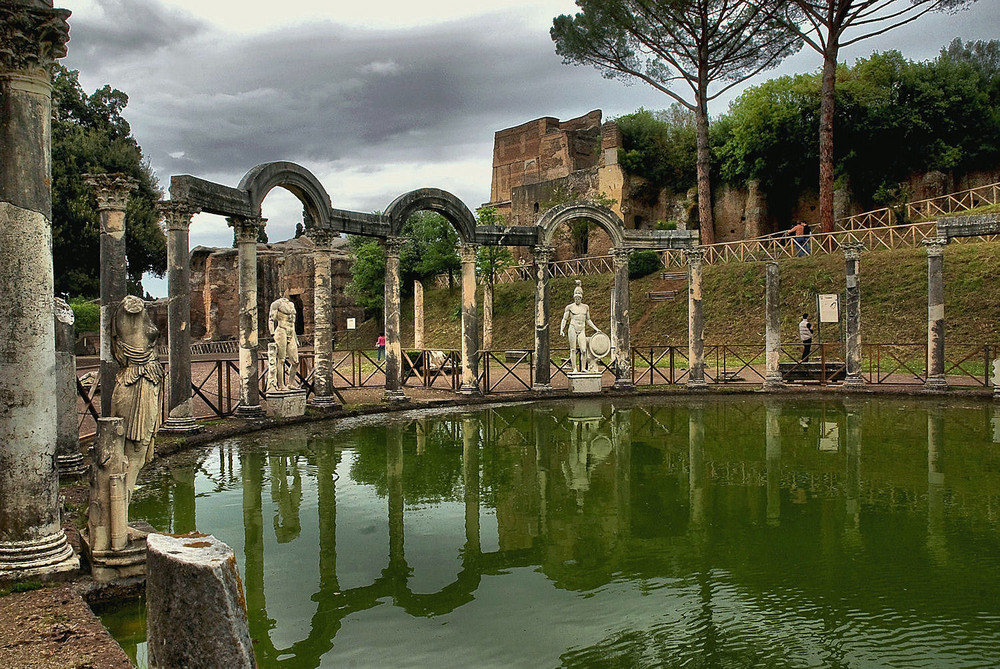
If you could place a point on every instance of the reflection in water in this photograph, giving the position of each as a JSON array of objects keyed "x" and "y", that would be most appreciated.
[{"x": 625, "y": 533}]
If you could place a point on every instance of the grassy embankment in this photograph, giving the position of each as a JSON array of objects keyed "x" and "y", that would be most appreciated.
[{"x": 893, "y": 302}]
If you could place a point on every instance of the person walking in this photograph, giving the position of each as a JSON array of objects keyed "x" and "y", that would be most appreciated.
[
  {"x": 380, "y": 345},
  {"x": 806, "y": 335},
  {"x": 801, "y": 238}
]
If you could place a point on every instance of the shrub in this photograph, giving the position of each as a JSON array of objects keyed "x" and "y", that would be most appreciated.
[
  {"x": 87, "y": 315},
  {"x": 643, "y": 263}
]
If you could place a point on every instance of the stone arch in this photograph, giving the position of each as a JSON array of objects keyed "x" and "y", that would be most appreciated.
[
  {"x": 606, "y": 219},
  {"x": 432, "y": 199},
  {"x": 259, "y": 181}
]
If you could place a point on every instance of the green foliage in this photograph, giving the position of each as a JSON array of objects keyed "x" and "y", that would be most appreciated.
[
  {"x": 491, "y": 259},
  {"x": 87, "y": 315},
  {"x": 367, "y": 286},
  {"x": 661, "y": 147},
  {"x": 89, "y": 135},
  {"x": 429, "y": 249},
  {"x": 666, "y": 225},
  {"x": 643, "y": 263}
]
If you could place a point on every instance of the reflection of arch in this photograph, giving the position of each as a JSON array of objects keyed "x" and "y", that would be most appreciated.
[
  {"x": 432, "y": 199},
  {"x": 296, "y": 179},
  {"x": 599, "y": 214}
]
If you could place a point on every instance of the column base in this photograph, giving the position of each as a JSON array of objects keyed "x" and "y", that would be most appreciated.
[
  {"x": 470, "y": 390},
  {"x": 394, "y": 397},
  {"x": 109, "y": 565},
  {"x": 253, "y": 412},
  {"x": 48, "y": 557},
  {"x": 854, "y": 382},
  {"x": 70, "y": 466},
  {"x": 180, "y": 425},
  {"x": 697, "y": 384},
  {"x": 773, "y": 382},
  {"x": 542, "y": 388},
  {"x": 623, "y": 386},
  {"x": 935, "y": 384},
  {"x": 323, "y": 402}
]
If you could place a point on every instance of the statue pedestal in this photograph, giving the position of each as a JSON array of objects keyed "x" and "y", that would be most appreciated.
[
  {"x": 107, "y": 565},
  {"x": 286, "y": 403},
  {"x": 584, "y": 382}
]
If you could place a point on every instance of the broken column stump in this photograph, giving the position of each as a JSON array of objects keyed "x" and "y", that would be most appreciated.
[{"x": 196, "y": 611}]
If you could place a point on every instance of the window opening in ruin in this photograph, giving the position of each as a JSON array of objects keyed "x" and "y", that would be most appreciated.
[
  {"x": 536, "y": 207},
  {"x": 300, "y": 318}
]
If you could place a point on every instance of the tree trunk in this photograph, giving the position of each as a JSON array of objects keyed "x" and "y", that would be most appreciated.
[
  {"x": 705, "y": 222},
  {"x": 488, "y": 314},
  {"x": 826, "y": 109}
]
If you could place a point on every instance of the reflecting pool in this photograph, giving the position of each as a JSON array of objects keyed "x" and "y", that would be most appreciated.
[{"x": 647, "y": 532}]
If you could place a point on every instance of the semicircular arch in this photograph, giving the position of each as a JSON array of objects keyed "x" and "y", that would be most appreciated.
[
  {"x": 436, "y": 200},
  {"x": 302, "y": 183},
  {"x": 604, "y": 217}
]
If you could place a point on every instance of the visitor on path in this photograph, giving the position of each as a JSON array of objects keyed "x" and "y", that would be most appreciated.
[
  {"x": 806, "y": 335},
  {"x": 800, "y": 231},
  {"x": 380, "y": 345}
]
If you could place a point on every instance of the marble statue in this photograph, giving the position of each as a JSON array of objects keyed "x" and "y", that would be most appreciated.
[
  {"x": 281, "y": 323},
  {"x": 138, "y": 395},
  {"x": 577, "y": 316}
]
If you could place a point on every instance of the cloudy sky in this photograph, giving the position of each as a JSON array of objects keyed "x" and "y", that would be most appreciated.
[{"x": 375, "y": 98}]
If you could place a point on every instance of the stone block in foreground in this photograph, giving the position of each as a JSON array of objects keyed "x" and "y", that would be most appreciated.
[{"x": 196, "y": 612}]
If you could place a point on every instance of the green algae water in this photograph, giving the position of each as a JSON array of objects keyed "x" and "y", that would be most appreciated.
[{"x": 629, "y": 533}]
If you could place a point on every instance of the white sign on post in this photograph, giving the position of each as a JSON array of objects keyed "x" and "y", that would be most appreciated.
[
  {"x": 352, "y": 324},
  {"x": 829, "y": 308}
]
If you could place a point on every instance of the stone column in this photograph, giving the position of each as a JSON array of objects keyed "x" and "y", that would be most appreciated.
[
  {"x": 852, "y": 253},
  {"x": 696, "y": 321},
  {"x": 935, "y": 313},
  {"x": 772, "y": 318},
  {"x": 32, "y": 543},
  {"x": 418, "y": 315},
  {"x": 470, "y": 331},
  {"x": 246, "y": 231},
  {"x": 621, "y": 336},
  {"x": 112, "y": 191},
  {"x": 322, "y": 395},
  {"x": 68, "y": 455},
  {"x": 180, "y": 412},
  {"x": 393, "y": 350},
  {"x": 543, "y": 378}
]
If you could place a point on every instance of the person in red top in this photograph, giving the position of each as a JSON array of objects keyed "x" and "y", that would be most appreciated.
[{"x": 380, "y": 345}]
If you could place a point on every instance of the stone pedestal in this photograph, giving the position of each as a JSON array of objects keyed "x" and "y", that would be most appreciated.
[
  {"x": 584, "y": 382},
  {"x": 286, "y": 403},
  {"x": 196, "y": 607},
  {"x": 108, "y": 565}
]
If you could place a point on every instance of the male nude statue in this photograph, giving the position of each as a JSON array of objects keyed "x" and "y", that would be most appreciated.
[
  {"x": 281, "y": 323},
  {"x": 578, "y": 315}
]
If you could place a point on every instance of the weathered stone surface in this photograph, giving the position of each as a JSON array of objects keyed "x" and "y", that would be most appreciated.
[
  {"x": 286, "y": 403},
  {"x": 470, "y": 330},
  {"x": 68, "y": 455},
  {"x": 969, "y": 226},
  {"x": 584, "y": 382},
  {"x": 696, "y": 321},
  {"x": 852, "y": 321},
  {"x": 772, "y": 319},
  {"x": 196, "y": 611}
]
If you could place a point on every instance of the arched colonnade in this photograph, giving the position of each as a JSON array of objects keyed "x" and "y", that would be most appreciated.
[{"x": 242, "y": 208}]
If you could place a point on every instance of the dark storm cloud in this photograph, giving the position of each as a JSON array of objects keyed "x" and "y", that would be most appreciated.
[
  {"x": 322, "y": 92},
  {"x": 130, "y": 28}
]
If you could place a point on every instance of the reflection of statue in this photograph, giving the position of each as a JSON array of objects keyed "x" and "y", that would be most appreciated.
[
  {"x": 137, "y": 397},
  {"x": 281, "y": 323},
  {"x": 577, "y": 314}
]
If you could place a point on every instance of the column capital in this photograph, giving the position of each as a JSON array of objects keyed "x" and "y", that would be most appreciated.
[
  {"x": 246, "y": 230},
  {"x": 695, "y": 255},
  {"x": 543, "y": 252},
  {"x": 393, "y": 245},
  {"x": 467, "y": 251},
  {"x": 176, "y": 214},
  {"x": 935, "y": 246},
  {"x": 321, "y": 238},
  {"x": 111, "y": 190},
  {"x": 620, "y": 256},
  {"x": 33, "y": 37},
  {"x": 852, "y": 250}
]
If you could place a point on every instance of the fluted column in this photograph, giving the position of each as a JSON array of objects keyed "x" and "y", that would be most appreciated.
[
  {"x": 322, "y": 395},
  {"x": 393, "y": 349},
  {"x": 32, "y": 543},
  {"x": 470, "y": 330},
  {"x": 111, "y": 191},
  {"x": 772, "y": 317},
  {"x": 696, "y": 321},
  {"x": 68, "y": 455},
  {"x": 177, "y": 220},
  {"x": 852, "y": 255},
  {"x": 935, "y": 313},
  {"x": 543, "y": 377},
  {"x": 621, "y": 335},
  {"x": 246, "y": 231}
]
